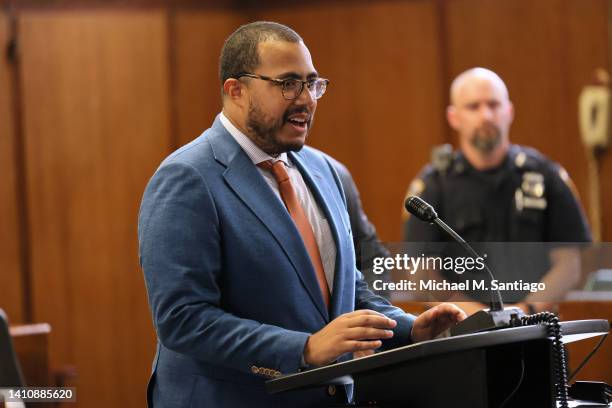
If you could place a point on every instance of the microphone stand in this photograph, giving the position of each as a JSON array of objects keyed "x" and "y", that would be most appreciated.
[{"x": 497, "y": 316}]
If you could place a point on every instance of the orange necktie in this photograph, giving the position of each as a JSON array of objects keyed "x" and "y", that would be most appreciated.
[{"x": 301, "y": 221}]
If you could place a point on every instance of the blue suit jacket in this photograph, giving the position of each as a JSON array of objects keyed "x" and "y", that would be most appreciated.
[{"x": 231, "y": 288}]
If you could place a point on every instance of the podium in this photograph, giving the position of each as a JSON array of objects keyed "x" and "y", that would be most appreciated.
[{"x": 478, "y": 370}]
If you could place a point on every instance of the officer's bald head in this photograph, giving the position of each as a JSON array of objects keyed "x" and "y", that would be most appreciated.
[
  {"x": 473, "y": 76},
  {"x": 481, "y": 113}
]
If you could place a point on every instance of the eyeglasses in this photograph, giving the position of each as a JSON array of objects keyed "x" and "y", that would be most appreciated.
[{"x": 292, "y": 88}]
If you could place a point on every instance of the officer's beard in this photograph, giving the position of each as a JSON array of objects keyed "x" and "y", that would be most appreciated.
[{"x": 486, "y": 138}]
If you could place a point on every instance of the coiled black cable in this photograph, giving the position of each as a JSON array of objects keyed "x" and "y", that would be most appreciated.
[{"x": 551, "y": 321}]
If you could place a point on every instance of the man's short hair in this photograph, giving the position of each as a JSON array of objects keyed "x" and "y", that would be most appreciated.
[{"x": 239, "y": 53}]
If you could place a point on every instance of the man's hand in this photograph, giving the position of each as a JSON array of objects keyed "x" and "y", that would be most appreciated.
[
  {"x": 434, "y": 321},
  {"x": 364, "y": 353},
  {"x": 350, "y": 332}
]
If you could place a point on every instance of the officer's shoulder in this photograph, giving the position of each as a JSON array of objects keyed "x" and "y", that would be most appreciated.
[
  {"x": 441, "y": 161},
  {"x": 427, "y": 178},
  {"x": 428, "y": 173},
  {"x": 535, "y": 161},
  {"x": 530, "y": 159},
  {"x": 442, "y": 157}
]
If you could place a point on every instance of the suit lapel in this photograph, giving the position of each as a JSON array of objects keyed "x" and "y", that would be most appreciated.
[
  {"x": 247, "y": 183},
  {"x": 320, "y": 188}
]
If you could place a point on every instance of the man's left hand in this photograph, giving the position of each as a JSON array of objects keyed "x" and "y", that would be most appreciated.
[{"x": 434, "y": 321}]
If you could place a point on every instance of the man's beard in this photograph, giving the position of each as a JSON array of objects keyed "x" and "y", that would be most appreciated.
[
  {"x": 486, "y": 138},
  {"x": 265, "y": 129}
]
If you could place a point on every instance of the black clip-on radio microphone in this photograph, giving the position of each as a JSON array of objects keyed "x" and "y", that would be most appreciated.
[{"x": 497, "y": 316}]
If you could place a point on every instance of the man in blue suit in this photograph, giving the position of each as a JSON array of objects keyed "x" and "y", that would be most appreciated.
[{"x": 243, "y": 284}]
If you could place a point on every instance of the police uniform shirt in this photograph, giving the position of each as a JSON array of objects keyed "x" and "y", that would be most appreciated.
[{"x": 528, "y": 198}]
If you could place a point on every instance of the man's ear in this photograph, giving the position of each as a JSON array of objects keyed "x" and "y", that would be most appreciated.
[
  {"x": 451, "y": 116},
  {"x": 511, "y": 111},
  {"x": 233, "y": 88}
]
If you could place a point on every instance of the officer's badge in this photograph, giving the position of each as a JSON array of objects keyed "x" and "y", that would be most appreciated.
[
  {"x": 531, "y": 192},
  {"x": 533, "y": 184}
]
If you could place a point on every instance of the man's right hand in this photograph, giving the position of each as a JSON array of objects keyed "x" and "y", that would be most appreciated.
[{"x": 350, "y": 332}]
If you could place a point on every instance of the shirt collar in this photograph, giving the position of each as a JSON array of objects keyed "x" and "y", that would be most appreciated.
[{"x": 250, "y": 148}]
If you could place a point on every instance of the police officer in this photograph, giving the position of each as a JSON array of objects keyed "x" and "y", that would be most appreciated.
[{"x": 493, "y": 191}]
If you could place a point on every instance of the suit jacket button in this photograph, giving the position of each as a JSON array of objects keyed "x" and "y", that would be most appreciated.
[
  {"x": 331, "y": 390},
  {"x": 254, "y": 370}
]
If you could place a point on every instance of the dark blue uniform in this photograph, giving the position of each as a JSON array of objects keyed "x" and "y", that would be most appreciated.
[{"x": 528, "y": 198}]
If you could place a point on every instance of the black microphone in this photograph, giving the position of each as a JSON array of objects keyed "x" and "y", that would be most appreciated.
[
  {"x": 497, "y": 316},
  {"x": 420, "y": 209}
]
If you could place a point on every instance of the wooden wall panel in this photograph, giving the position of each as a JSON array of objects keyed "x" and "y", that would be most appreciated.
[
  {"x": 11, "y": 283},
  {"x": 545, "y": 50},
  {"x": 587, "y": 49},
  {"x": 606, "y": 196},
  {"x": 599, "y": 367},
  {"x": 529, "y": 56},
  {"x": 96, "y": 109},
  {"x": 385, "y": 105},
  {"x": 197, "y": 40}
]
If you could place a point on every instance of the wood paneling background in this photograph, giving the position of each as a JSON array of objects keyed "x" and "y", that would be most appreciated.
[
  {"x": 106, "y": 92},
  {"x": 599, "y": 367},
  {"x": 11, "y": 277},
  {"x": 96, "y": 125},
  {"x": 198, "y": 37}
]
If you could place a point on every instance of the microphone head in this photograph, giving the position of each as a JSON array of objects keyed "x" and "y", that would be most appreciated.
[{"x": 420, "y": 209}]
